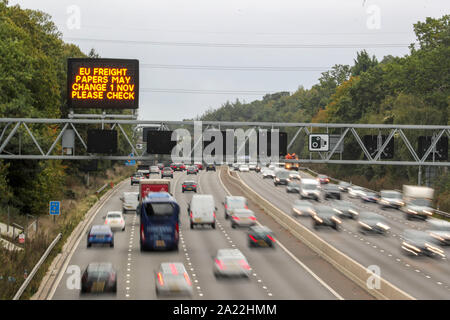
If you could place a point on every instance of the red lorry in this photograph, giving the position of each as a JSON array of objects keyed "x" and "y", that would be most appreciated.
[{"x": 152, "y": 185}]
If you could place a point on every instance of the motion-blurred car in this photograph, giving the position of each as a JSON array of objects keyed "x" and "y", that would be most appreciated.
[
  {"x": 309, "y": 189},
  {"x": 302, "y": 208},
  {"x": 343, "y": 186},
  {"x": 99, "y": 278},
  {"x": 370, "y": 197},
  {"x": 268, "y": 173},
  {"x": 210, "y": 167},
  {"x": 100, "y": 234},
  {"x": 244, "y": 168},
  {"x": 178, "y": 166},
  {"x": 199, "y": 165},
  {"x": 390, "y": 199},
  {"x": 370, "y": 222},
  {"x": 418, "y": 209},
  {"x": 243, "y": 218},
  {"x": 272, "y": 166},
  {"x": 331, "y": 191},
  {"x": 129, "y": 201},
  {"x": 172, "y": 278},
  {"x": 191, "y": 170},
  {"x": 154, "y": 170},
  {"x": 345, "y": 209},
  {"x": 189, "y": 186},
  {"x": 230, "y": 263},
  {"x": 295, "y": 176},
  {"x": 236, "y": 166},
  {"x": 323, "y": 179},
  {"x": 202, "y": 210},
  {"x": 233, "y": 202},
  {"x": 136, "y": 177},
  {"x": 115, "y": 220},
  {"x": 324, "y": 216},
  {"x": 420, "y": 243},
  {"x": 440, "y": 230},
  {"x": 167, "y": 172},
  {"x": 281, "y": 177},
  {"x": 260, "y": 236},
  {"x": 355, "y": 192},
  {"x": 258, "y": 168},
  {"x": 293, "y": 187},
  {"x": 160, "y": 166}
]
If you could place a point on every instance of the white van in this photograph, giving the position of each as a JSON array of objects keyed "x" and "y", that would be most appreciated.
[
  {"x": 309, "y": 189},
  {"x": 202, "y": 210}
]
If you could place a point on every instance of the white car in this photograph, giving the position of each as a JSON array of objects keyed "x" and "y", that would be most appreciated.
[
  {"x": 172, "y": 278},
  {"x": 129, "y": 201},
  {"x": 231, "y": 262},
  {"x": 252, "y": 166},
  {"x": 295, "y": 175},
  {"x": 267, "y": 173},
  {"x": 356, "y": 192},
  {"x": 244, "y": 168},
  {"x": 115, "y": 220}
]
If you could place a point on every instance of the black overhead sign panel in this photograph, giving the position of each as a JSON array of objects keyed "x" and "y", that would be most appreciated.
[{"x": 103, "y": 83}]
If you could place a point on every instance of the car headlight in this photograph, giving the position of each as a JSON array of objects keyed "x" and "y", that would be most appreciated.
[
  {"x": 353, "y": 211},
  {"x": 383, "y": 226},
  {"x": 410, "y": 248},
  {"x": 385, "y": 201},
  {"x": 297, "y": 211},
  {"x": 336, "y": 219},
  {"x": 365, "y": 225},
  {"x": 434, "y": 249},
  {"x": 428, "y": 212},
  {"x": 277, "y": 180},
  {"x": 412, "y": 211},
  {"x": 318, "y": 219},
  {"x": 338, "y": 211}
]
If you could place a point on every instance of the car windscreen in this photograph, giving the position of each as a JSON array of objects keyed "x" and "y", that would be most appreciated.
[
  {"x": 309, "y": 186},
  {"x": 421, "y": 202},
  {"x": 130, "y": 197},
  {"x": 332, "y": 188},
  {"x": 113, "y": 216},
  {"x": 293, "y": 185},
  {"x": 236, "y": 203},
  {"x": 159, "y": 209},
  {"x": 103, "y": 275},
  {"x": 189, "y": 183},
  {"x": 282, "y": 175},
  {"x": 391, "y": 195}
]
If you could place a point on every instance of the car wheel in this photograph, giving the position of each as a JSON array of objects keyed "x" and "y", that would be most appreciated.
[
  {"x": 192, "y": 225},
  {"x": 408, "y": 217},
  {"x": 111, "y": 244},
  {"x": 89, "y": 244},
  {"x": 115, "y": 288},
  {"x": 213, "y": 225},
  {"x": 226, "y": 216},
  {"x": 123, "y": 229},
  {"x": 315, "y": 226},
  {"x": 233, "y": 226}
]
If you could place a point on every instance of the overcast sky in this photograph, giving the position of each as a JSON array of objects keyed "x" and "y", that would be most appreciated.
[{"x": 181, "y": 43}]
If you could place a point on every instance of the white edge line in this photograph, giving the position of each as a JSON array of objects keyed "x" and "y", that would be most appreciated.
[{"x": 337, "y": 295}]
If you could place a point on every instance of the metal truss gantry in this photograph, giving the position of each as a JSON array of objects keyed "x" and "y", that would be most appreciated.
[{"x": 9, "y": 127}]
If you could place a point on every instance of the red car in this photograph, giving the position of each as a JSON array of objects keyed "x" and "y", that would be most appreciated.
[
  {"x": 199, "y": 166},
  {"x": 323, "y": 179}
]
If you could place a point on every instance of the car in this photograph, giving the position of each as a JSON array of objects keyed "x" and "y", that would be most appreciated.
[
  {"x": 325, "y": 216},
  {"x": 210, "y": 167},
  {"x": 99, "y": 278},
  {"x": 233, "y": 202},
  {"x": 331, "y": 191},
  {"x": 230, "y": 263},
  {"x": 172, "y": 278},
  {"x": 440, "y": 230},
  {"x": 370, "y": 222},
  {"x": 420, "y": 243},
  {"x": 272, "y": 166},
  {"x": 390, "y": 199},
  {"x": 199, "y": 165},
  {"x": 369, "y": 197},
  {"x": 281, "y": 177},
  {"x": 144, "y": 172},
  {"x": 160, "y": 166},
  {"x": 258, "y": 168},
  {"x": 167, "y": 172},
  {"x": 154, "y": 170},
  {"x": 302, "y": 208},
  {"x": 202, "y": 210},
  {"x": 115, "y": 220},
  {"x": 252, "y": 166},
  {"x": 343, "y": 186},
  {"x": 136, "y": 177},
  {"x": 178, "y": 166},
  {"x": 267, "y": 173},
  {"x": 100, "y": 234},
  {"x": 129, "y": 201},
  {"x": 189, "y": 186},
  {"x": 355, "y": 192},
  {"x": 309, "y": 189},
  {"x": 323, "y": 179},
  {"x": 243, "y": 218},
  {"x": 191, "y": 170},
  {"x": 260, "y": 236},
  {"x": 418, "y": 209},
  {"x": 345, "y": 209},
  {"x": 244, "y": 168},
  {"x": 293, "y": 187},
  {"x": 236, "y": 166},
  {"x": 295, "y": 176}
]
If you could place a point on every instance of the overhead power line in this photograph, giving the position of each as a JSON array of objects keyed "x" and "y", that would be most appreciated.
[{"x": 246, "y": 45}]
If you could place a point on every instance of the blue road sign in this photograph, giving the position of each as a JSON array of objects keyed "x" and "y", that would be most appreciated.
[
  {"x": 55, "y": 208},
  {"x": 130, "y": 162}
]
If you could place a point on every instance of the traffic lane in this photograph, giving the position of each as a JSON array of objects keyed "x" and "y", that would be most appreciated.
[
  {"x": 284, "y": 277},
  {"x": 82, "y": 255},
  {"x": 358, "y": 246},
  {"x": 203, "y": 244}
]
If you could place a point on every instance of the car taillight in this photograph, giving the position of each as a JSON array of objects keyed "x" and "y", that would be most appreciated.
[
  {"x": 112, "y": 277},
  {"x": 142, "y": 233},
  {"x": 253, "y": 218},
  {"x": 271, "y": 238},
  {"x": 220, "y": 264},
  {"x": 194, "y": 186},
  {"x": 177, "y": 228},
  {"x": 235, "y": 218},
  {"x": 191, "y": 214},
  {"x": 214, "y": 214},
  {"x": 244, "y": 264},
  {"x": 226, "y": 207},
  {"x": 246, "y": 207},
  {"x": 106, "y": 221},
  {"x": 160, "y": 279},
  {"x": 184, "y": 186},
  {"x": 251, "y": 237},
  {"x": 187, "y": 279}
]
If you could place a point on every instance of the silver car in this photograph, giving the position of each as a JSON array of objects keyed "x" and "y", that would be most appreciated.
[
  {"x": 302, "y": 208},
  {"x": 154, "y": 170},
  {"x": 440, "y": 230},
  {"x": 230, "y": 263},
  {"x": 370, "y": 222},
  {"x": 172, "y": 278},
  {"x": 243, "y": 218},
  {"x": 129, "y": 201}
]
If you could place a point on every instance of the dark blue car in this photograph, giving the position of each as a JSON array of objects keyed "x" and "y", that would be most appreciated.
[{"x": 100, "y": 234}]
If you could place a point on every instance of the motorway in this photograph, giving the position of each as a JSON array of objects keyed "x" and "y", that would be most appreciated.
[
  {"x": 291, "y": 271},
  {"x": 421, "y": 277}
]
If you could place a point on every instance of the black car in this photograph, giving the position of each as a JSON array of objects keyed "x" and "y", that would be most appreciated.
[
  {"x": 260, "y": 236},
  {"x": 343, "y": 186},
  {"x": 99, "y": 277},
  {"x": 189, "y": 186},
  {"x": 167, "y": 172},
  {"x": 293, "y": 187},
  {"x": 331, "y": 191},
  {"x": 370, "y": 222},
  {"x": 370, "y": 197},
  {"x": 345, "y": 209},
  {"x": 420, "y": 243},
  {"x": 178, "y": 166},
  {"x": 191, "y": 170},
  {"x": 211, "y": 167},
  {"x": 324, "y": 216},
  {"x": 281, "y": 177}
]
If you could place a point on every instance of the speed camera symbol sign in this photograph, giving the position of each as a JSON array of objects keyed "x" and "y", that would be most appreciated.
[{"x": 319, "y": 142}]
